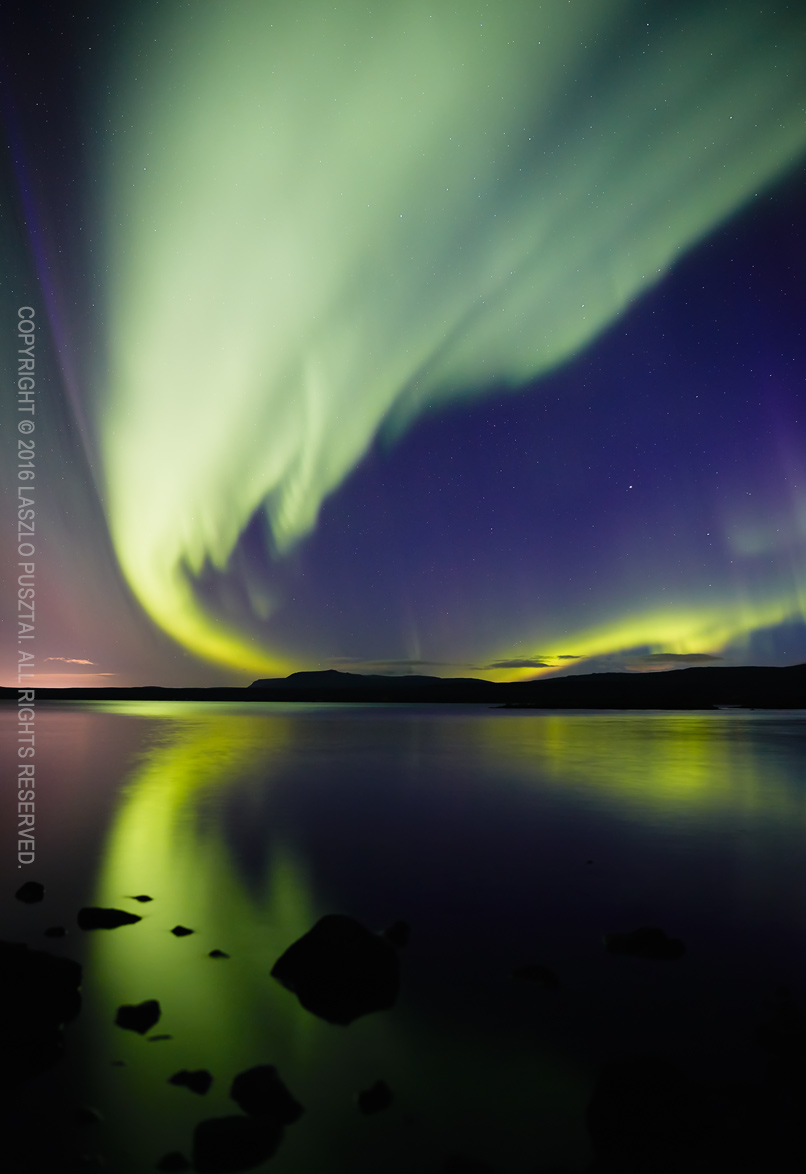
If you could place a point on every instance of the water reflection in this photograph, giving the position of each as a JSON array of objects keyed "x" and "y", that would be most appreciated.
[
  {"x": 660, "y": 765},
  {"x": 248, "y": 823}
]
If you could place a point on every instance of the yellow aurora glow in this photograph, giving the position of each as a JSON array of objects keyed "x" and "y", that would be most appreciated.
[{"x": 321, "y": 222}]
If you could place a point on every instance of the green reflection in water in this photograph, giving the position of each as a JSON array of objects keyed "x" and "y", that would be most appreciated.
[
  {"x": 225, "y": 1015},
  {"x": 650, "y": 766}
]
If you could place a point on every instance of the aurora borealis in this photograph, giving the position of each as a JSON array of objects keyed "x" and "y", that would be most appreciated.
[{"x": 463, "y": 339}]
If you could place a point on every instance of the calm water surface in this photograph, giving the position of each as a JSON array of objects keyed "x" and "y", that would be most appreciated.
[{"x": 503, "y": 838}]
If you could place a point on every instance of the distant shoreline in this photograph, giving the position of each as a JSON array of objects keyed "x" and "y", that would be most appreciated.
[{"x": 693, "y": 688}]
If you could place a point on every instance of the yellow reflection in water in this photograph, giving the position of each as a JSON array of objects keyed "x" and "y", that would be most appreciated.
[
  {"x": 223, "y": 1014},
  {"x": 648, "y": 765}
]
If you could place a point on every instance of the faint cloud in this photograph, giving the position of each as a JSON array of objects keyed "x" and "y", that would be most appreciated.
[
  {"x": 517, "y": 664},
  {"x": 670, "y": 660},
  {"x": 72, "y": 660},
  {"x": 567, "y": 656}
]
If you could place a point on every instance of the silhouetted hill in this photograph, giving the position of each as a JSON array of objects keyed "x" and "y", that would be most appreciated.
[{"x": 694, "y": 688}]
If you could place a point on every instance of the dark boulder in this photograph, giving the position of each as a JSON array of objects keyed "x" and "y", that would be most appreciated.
[
  {"x": 30, "y": 892},
  {"x": 181, "y": 931},
  {"x": 261, "y": 1093},
  {"x": 340, "y": 970},
  {"x": 139, "y": 1017},
  {"x": 39, "y": 993}
]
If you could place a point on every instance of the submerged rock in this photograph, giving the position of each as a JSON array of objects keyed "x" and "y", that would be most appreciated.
[
  {"x": 139, "y": 1017},
  {"x": 92, "y": 917},
  {"x": 30, "y": 892},
  {"x": 222, "y": 1145},
  {"x": 39, "y": 993},
  {"x": 261, "y": 1093},
  {"x": 198, "y": 1081},
  {"x": 340, "y": 970},
  {"x": 646, "y": 942},
  {"x": 375, "y": 1099}
]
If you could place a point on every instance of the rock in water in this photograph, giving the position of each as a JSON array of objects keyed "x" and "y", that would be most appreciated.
[
  {"x": 261, "y": 1093},
  {"x": 38, "y": 994},
  {"x": 197, "y": 1081},
  {"x": 223, "y": 1145},
  {"x": 139, "y": 1017},
  {"x": 181, "y": 931},
  {"x": 93, "y": 918},
  {"x": 30, "y": 892},
  {"x": 340, "y": 970},
  {"x": 647, "y": 942}
]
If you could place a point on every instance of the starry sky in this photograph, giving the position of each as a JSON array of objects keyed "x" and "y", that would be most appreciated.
[{"x": 452, "y": 339}]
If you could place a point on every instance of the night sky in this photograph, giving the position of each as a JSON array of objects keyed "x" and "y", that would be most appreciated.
[{"x": 463, "y": 339}]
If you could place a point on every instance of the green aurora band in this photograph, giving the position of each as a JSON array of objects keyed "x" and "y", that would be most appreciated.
[{"x": 323, "y": 220}]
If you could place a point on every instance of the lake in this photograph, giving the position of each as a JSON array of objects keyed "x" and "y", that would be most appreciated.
[{"x": 504, "y": 838}]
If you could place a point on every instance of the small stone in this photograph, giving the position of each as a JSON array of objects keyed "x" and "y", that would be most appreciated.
[
  {"x": 138, "y": 1017},
  {"x": 94, "y": 918},
  {"x": 141, "y": 897},
  {"x": 376, "y": 1098},
  {"x": 30, "y": 892},
  {"x": 217, "y": 954},
  {"x": 198, "y": 1081},
  {"x": 181, "y": 931}
]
